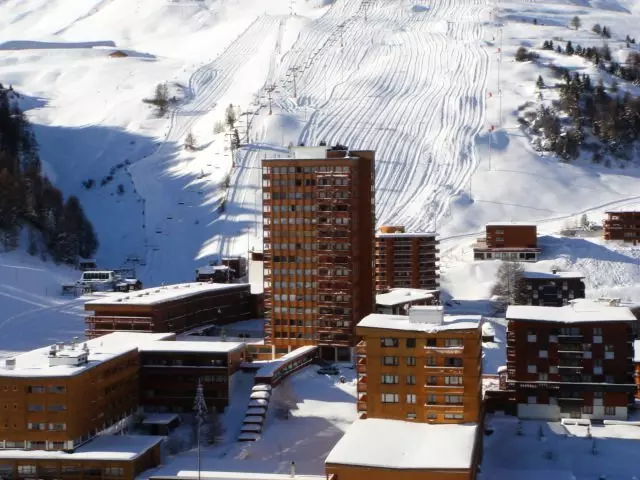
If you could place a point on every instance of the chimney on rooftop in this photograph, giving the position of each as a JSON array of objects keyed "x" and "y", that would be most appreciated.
[
  {"x": 554, "y": 270},
  {"x": 52, "y": 351},
  {"x": 10, "y": 363},
  {"x": 74, "y": 343},
  {"x": 293, "y": 469}
]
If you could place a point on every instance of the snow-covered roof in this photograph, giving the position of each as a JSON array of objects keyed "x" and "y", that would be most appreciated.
[
  {"x": 488, "y": 330},
  {"x": 206, "y": 475},
  {"x": 511, "y": 224},
  {"x": 574, "y": 313},
  {"x": 402, "y": 322},
  {"x": 636, "y": 351},
  {"x": 270, "y": 367},
  {"x": 192, "y": 347},
  {"x": 406, "y": 234},
  {"x": 550, "y": 275},
  {"x": 103, "y": 447},
  {"x": 405, "y": 445},
  {"x": 401, "y": 295},
  {"x": 36, "y": 363},
  {"x": 159, "y": 418},
  {"x": 156, "y": 295}
]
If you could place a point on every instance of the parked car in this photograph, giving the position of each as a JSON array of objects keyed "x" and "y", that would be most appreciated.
[{"x": 332, "y": 370}]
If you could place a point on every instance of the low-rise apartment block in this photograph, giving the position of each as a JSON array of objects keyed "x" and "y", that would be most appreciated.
[
  {"x": 170, "y": 308},
  {"x": 406, "y": 260},
  {"x": 169, "y": 371},
  {"x": 553, "y": 289},
  {"x": 425, "y": 366},
  {"x": 574, "y": 361},
  {"x": 623, "y": 226},
  {"x": 59, "y": 397},
  {"x": 508, "y": 241}
]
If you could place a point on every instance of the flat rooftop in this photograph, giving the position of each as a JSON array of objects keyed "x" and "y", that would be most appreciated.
[
  {"x": 581, "y": 312},
  {"x": 401, "y": 295},
  {"x": 397, "y": 444},
  {"x": 186, "y": 346},
  {"x": 406, "y": 234},
  {"x": 103, "y": 447},
  {"x": 552, "y": 276},
  {"x": 36, "y": 362},
  {"x": 402, "y": 322},
  {"x": 166, "y": 293},
  {"x": 511, "y": 224}
]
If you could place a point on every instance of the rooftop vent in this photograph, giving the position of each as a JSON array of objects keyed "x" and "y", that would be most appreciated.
[
  {"x": 10, "y": 363},
  {"x": 554, "y": 270}
]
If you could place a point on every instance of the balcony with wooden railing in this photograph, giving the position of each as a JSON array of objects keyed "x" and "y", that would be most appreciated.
[
  {"x": 457, "y": 350},
  {"x": 361, "y": 366},
  {"x": 361, "y": 348}
]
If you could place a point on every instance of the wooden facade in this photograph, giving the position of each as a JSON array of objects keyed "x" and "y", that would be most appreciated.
[
  {"x": 168, "y": 379},
  {"x": 353, "y": 472},
  {"x": 577, "y": 370},
  {"x": 429, "y": 380},
  {"x": 406, "y": 260},
  {"x": 513, "y": 242},
  {"x": 62, "y": 412},
  {"x": 70, "y": 467},
  {"x": 210, "y": 307},
  {"x": 318, "y": 226},
  {"x": 553, "y": 289},
  {"x": 623, "y": 226}
]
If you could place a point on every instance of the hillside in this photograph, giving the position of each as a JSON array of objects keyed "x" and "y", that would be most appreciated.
[{"x": 419, "y": 83}]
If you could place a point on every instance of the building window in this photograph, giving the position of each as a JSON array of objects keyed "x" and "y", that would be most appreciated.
[
  {"x": 411, "y": 361},
  {"x": 35, "y": 389},
  {"x": 587, "y": 409},
  {"x": 543, "y": 354},
  {"x": 532, "y": 369},
  {"x": 57, "y": 427},
  {"x": 553, "y": 369},
  {"x": 597, "y": 331},
  {"x": 531, "y": 334},
  {"x": 452, "y": 362},
  {"x": 36, "y": 426},
  {"x": 453, "y": 399},
  {"x": 431, "y": 361},
  {"x": 532, "y": 400},
  {"x": 114, "y": 471},
  {"x": 609, "y": 379},
  {"x": 608, "y": 352},
  {"x": 411, "y": 398},
  {"x": 388, "y": 342},
  {"x": 411, "y": 343},
  {"x": 431, "y": 380},
  {"x": 452, "y": 342},
  {"x": 57, "y": 408},
  {"x": 411, "y": 416},
  {"x": 35, "y": 408},
  {"x": 543, "y": 377},
  {"x": 57, "y": 389},
  {"x": 390, "y": 398},
  {"x": 389, "y": 379},
  {"x": 431, "y": 342},
  {"x": 452, "y": 380},
  {"x": 453, "y": 416},
  {"x": 390, "y": 361},
  {"x": 609, "y": 410},
  {"x": 411, "y": 380},
  {"x": 431, "y": 416},
  {"x": 27, "y": 469}
]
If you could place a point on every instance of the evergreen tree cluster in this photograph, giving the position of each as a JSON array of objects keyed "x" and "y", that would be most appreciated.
[
  {"x": 612, "y": 118},
  {"x": 28, "y": 200}
]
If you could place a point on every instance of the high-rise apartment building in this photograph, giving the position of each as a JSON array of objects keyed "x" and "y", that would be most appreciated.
[
  {"x": 406, "y": 260},
  {"x": 318, "y": 221}
]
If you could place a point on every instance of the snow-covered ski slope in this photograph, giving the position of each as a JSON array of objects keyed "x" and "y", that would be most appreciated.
[{"x": 415, "y": 81}]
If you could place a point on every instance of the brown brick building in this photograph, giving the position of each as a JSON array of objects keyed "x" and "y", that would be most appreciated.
[
  {"x": 170, "y": 370},
  {"x": 59, "y": 397},
  {"x": 419, "y": 399},
  {"x": 636, "y": 362},
  {"x": 406, "y": 260},
  {"x": 573, "y": 361},
  {"x": 170, "y": 308},
  {"x": 318, "y": 226},
  {"x": 553, "y": 289},
  {"x": 508, "y": 241},
  {"x": 623, "y": 226}
]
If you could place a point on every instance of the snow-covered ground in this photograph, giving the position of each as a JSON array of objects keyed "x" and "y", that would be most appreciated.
[
  {"x": 554, "y": 451},
  {"x": 324, "y": 410}
]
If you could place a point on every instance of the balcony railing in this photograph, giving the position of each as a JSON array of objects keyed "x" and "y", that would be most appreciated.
[
  {"x": 361, "y": 348},
  {"x": 361, "y": 368},
  {"x": 458, "y": 350},
  {"x": 362, "y": 406},
  {"x": 362, "y": 387}
]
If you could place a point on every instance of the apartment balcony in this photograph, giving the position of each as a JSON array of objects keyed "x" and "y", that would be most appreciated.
[
  {"x": 361, "y": 367},
  {"x": 442, "y": 370},
  {"x": 569, "y": 340},
  {"x": 444, "y": 389},
  {"x": 362, "y": 387},
  {"x": 445, "y": 350},
  {"x": 362, "y": 407},
  {"x": 570, "y": 401},
  {"x": 361, "y": 348}
]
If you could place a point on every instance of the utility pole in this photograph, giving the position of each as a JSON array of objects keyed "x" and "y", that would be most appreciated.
[
  {"x": 246, "y": 115},
  {"x": 294, "y": 74},
  {"x": 269, "y": 90},
  {"x": 200, "y": 411},
  {"x": 341, "y": 29}
]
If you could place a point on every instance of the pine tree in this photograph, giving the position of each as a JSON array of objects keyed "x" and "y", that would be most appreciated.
[
  {"x": 597, "y": 29},
  {"x": 575, "y": 22},
  {"x": 190, "y": 142},
  {"x": 540, "y": 83},
  {"x": 606, "y": 33},
  {"x": 569, "y": 48},
  {"x": 230, "y": 116}
]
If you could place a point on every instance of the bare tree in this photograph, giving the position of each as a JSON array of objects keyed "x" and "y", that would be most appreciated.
[
  {"x": 230, "y": 116},
  {"x": 215, "y": 428},
  {"x": 510, "y": 283},
  {"x": 575, "y": 22}
]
